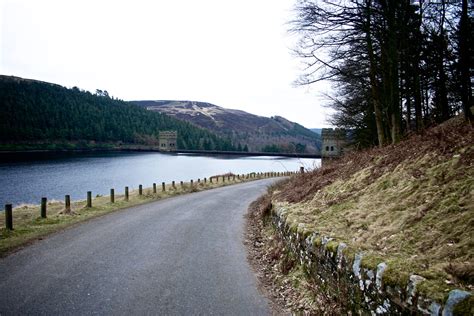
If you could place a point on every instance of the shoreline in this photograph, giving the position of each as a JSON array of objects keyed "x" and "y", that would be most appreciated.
[
  {"x": 108, "y": 147},
  {"x": 29, "y": 226}
]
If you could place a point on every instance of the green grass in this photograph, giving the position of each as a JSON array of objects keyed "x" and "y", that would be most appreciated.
[{"x": 28, "y": 226}]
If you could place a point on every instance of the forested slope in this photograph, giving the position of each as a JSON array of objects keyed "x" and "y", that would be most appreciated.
[{"x": 35, "y": 112}]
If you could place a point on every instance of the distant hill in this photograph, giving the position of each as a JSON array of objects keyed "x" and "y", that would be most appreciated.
[
  {"x": 316, "y": 130},
  {"x": 41, "y": 115},
  {"x": 257, "y": 132}
]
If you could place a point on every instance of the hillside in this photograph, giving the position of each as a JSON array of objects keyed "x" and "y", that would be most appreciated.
[
  {"x": 409, "y": 205},
  {"x": 316, "y": 130},
  {"x": 41, "y": 115},
  {"x": 258, "y": 132}
]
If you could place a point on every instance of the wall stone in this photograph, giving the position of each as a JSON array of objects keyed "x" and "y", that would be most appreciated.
[{"x": 343, "y": 276}]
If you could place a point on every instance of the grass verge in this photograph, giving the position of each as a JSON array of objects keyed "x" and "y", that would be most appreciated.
[{"x": 410, "y": 205}]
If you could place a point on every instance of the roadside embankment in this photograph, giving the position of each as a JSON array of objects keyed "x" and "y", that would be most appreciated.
[
  {"x": 28, "y": 225},
  {"x": 385, "y": 231}
]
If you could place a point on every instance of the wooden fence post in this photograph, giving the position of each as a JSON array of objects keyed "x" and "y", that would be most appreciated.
[
  {"x": 163, "y": 187},
  {"x": 181, "y": 183},
  {"x": 9, "y": 216},
  {"x": 126, "y": 193},
  {"x": 112, "y": 196},
  {"x": 67, "y": 201},
  {"x": 301, "y": 169},
  {"x": 173, "y": 185},
  {"x": 205, "y": 180},
  {"x": 140, "y": 189},
  {"x": 89, "y": 199},
  {"x": 43, "y": 207},
  {"x": 191, "y": 182},
  {"x": 154, "y": 187}
]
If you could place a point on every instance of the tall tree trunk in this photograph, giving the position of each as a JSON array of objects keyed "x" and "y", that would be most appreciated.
[
  {"x": 373, "y": 78},
  {"x": 417, "y": 93},
  {"x": 417, "y": 100},
  {"x": 441, "y": 89},
  {"x": 392, "y": 94},
  {"x": 408, "y": 107},
  {"x": 465, "y": 42},
  {"x": 442, "y": 92}
]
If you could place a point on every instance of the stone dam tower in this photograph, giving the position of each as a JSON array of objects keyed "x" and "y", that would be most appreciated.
[
  {"x": 168, "y": 140},
  {"x": 333, "y": 142}
]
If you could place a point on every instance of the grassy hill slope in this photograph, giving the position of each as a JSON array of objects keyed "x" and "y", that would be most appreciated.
[{"x": 410, "y": 205}]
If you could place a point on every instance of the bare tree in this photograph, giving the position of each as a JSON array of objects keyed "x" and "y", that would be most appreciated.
[{"x": 390, "y": 61}]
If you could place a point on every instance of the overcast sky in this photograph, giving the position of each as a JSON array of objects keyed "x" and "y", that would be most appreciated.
[{"x": 235, "y": 54}]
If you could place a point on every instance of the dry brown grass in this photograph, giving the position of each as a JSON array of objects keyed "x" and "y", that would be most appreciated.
[{"x": 409, "y": 204}]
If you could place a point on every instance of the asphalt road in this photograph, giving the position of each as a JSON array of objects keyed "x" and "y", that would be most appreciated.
[{"x": 179, "y": 256}]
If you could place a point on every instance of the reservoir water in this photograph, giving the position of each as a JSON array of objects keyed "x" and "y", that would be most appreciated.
[{"x": 26, "y": 177}]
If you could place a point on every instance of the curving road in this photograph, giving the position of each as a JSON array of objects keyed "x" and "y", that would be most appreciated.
[{"x": 179, "y": 256}]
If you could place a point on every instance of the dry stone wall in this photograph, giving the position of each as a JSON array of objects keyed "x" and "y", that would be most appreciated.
[{"x": 342, "y": 276}]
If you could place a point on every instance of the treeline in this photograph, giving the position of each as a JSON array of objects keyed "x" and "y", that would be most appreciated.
[
  {"x": 34, "y": 111},
  {"x": 285, "y": 148},
  {"x": 397, "y": 66}
]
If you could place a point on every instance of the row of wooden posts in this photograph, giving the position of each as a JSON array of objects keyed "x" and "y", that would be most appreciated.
[{"x": 67, "y": 198}]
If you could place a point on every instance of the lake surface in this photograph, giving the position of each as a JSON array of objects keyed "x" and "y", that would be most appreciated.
[{"x": 26, "y": 177}]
